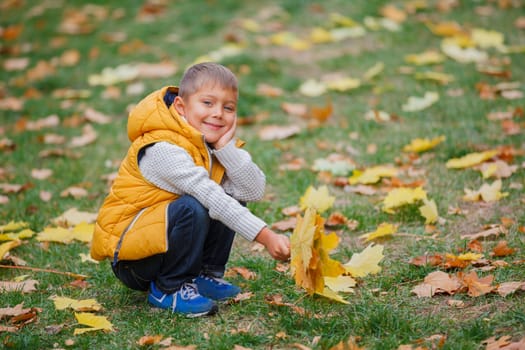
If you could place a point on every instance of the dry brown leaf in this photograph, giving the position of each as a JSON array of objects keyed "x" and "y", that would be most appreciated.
[
  {"x": 243, "y": 271},
  {"x": 295, "y": 109},
  {"x": 278, "y": 132},
  {"x": 23, "y": 287},
  {"x": 502, "y": 249},
  {"x": 149, "y": 340},
  {"x": 492, "y": 231},
  {"x": 277, "y": 300},
  {"x": 507, "y": 288},
  {"x": 336, "y": 219},
  {"x": 476, "y": 286},
  {"x": 285, "y": 225},
  {"x": 423, "y": 260}
]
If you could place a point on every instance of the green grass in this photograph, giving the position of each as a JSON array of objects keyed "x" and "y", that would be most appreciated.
[{"x": 382, "y": 312}]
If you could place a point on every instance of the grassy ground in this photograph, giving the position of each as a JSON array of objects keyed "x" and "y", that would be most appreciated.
[{"x": 382, "y": 312}]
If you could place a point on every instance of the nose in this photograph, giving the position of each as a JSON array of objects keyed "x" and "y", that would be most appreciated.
[{"x": 217, "y": 111}]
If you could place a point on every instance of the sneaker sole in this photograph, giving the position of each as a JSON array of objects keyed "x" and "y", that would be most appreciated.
[{"x": 209, "y": 312}]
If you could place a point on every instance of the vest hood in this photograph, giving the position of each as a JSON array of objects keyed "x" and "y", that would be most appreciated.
[{"x": 151, "y": 115}]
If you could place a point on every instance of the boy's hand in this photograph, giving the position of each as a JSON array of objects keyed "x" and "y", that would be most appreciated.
[
  {"x": 277, "y": 245},
  {"x": 227, "y": 137}
]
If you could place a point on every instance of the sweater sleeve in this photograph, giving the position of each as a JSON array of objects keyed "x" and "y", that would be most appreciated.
[
  {"x": 244, "y": 180},
  {"x": 172, "y": 169}
]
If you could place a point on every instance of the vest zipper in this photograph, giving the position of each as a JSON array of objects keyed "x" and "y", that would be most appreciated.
[{"x": 121, "y": 239}]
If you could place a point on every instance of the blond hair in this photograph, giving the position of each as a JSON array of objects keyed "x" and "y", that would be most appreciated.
[{"x": 201, "y": 74}]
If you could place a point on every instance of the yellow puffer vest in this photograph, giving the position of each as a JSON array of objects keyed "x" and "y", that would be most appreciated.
[{"x": 132, "y": 222}]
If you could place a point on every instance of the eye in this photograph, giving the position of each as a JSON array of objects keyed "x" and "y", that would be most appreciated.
[
  {"x": 207, "y": 103},
  {"x": 229, "y": 109}
]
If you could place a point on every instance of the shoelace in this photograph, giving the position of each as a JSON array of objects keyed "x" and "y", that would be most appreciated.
[
  {"x": 216, "y": 280},
  {"x": 189, "y": 291}
]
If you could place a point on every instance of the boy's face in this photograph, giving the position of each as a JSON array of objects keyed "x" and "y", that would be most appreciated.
[{"x": 212, "y": 110}]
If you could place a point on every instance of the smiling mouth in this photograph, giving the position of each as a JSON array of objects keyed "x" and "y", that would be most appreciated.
[{"x": 213, "y": 126}]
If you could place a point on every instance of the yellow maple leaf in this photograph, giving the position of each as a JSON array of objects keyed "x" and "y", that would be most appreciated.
[
  {"x": 366, "y": 262},
  {"x": 310, "y": 260},
  {"x": 415, "y": 103},
  {"x": 418, "y": 145},
  {"x": 424, "y": 58},
  {"x": 13, "y": 226},
  {"x": 343, "y": 284},
  {"x": 323, "y": 244},
  {"x": 486, "y": 193},
  {"x": 318, "y": 199},
  {"x": 11, "y": 236},
  {"x": 6, "y": 247},
  {"x": 73, "y": 216},
  {"x": 460, "y": 49},
  {"x": 55, "y": 234},
  {"x": 343, "y": 84},
  {"x": 383, "y": 230},
  {"x": 470, "y": 256},
  {"x": 470, "y": 159},
  {"x": 429, "y": 211},
  {"x": 487, "y": 38},
  {"x": 62, "y": 303},
  {"x": 402, "y": 196},
  {"x": 319, "y": 35},
  {"x": 83, "y": 232},
  {"x": 94, "y": 322},
  {"x": 371, "y": 175},
  {"x": 301, "y": 243},
  {"x": 330, "y": 294},
  {"x": 445, "y": 28}
]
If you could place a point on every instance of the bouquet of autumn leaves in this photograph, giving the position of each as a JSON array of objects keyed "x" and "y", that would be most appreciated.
[{"x": 311, "y": 266}]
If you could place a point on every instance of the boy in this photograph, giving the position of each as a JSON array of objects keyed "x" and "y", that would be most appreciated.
[{"x": 169, "y": 220}]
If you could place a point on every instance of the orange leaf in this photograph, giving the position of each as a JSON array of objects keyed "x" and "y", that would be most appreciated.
[
  {"x": 502, "y": 249},
  {"x": 476, "y": 286}
]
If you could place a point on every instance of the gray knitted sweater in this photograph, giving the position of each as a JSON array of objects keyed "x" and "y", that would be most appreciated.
[{"x": 172, "y": 169}]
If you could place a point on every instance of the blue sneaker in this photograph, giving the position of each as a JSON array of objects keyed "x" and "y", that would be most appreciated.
[
  {"x": 186, "y": 300},
  {"x": 216, "y": 288}
]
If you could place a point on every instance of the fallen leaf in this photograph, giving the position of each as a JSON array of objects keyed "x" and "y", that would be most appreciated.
[
  {"x": 402, "y": 196},
  {"x": 419, "y": 145},
  {"x": 366, "y": 262},
  {"x": 62, "y": 303},
  {"x": 312, "y": 88},
  {"x": 317, "y": 198},
  {"x": 93, "y": 322},
  {"x": 372, "y": 175},
  {"x": 343, "y": 284},
  {"x": 437, "y": 282},
  {"x": 23, "y": 287},
  {"x": 383, "y": 230},
  {"x": 507, "y": 288},
  {"x": 470, "y": 159},
  {"x": 73, "y": 216},
  {"x": 6, "y": 247},
  {"x": 415, "y": 104},
  {"x": 476, "y": 286},
  {"x": 425, "y": 58},
  {"x": 487, "y": 193},
  {"x": 278, "y": 132},
  {"x": 502, "y": 249},
  {"x": 429, "y": 211}
]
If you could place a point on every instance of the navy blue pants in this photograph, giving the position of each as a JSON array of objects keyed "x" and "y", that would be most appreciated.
[{"x": 196, "y": 244}]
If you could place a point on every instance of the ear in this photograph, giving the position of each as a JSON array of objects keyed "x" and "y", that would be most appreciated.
[{"x": 178, "y": 104}]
